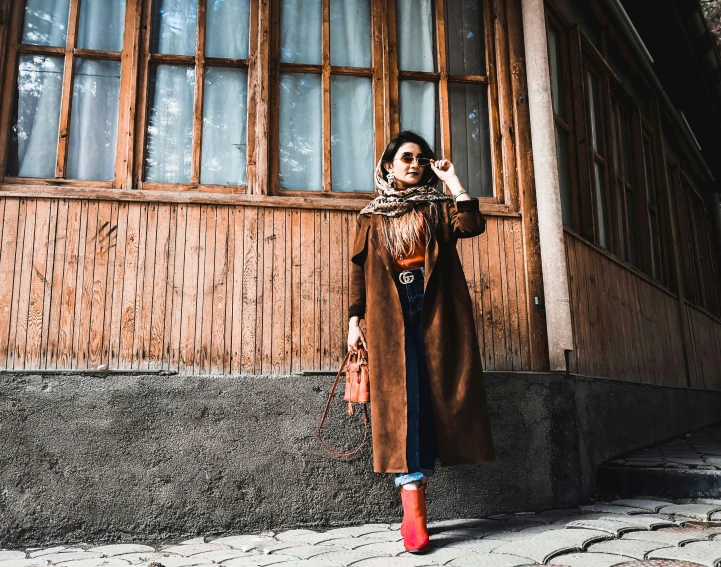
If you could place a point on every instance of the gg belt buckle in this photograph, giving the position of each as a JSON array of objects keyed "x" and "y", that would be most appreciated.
[{"x": 406, "y": 277}]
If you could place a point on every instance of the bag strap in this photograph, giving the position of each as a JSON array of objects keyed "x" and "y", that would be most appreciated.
[{"x": 327, "y": 407}]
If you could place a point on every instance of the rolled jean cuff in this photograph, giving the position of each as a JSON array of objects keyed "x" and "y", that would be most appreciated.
[{"x": 407, "y": 478}]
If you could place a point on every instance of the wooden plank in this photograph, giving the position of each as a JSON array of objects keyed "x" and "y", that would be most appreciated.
[
  {"x": 129, "y": 309},
  {"x": 521, "y": 299},
  {"x": 497, "y": 297},
  {"x": 18, "y": 330},
  {"x": 98, "y": 281},
  {"x": 204, "y": 306},
  {"x": 9, "y": 86},
  {"x": 325, "y": 89},
  {"x": 220, "y": 294},
  {"x": 11, "y": 236},
  {"x": 230, "y": 297},
  {"x": 573, "y": 300},
  {"x": 162, "y": 293},
  {"x": 288, "y": 294},
  {"x": 323, "y": 287},
  {"x": 509, "y": 311},
  {"x": 487, "y": 309},
  {"x": 174, "y": 317},
  {"x": 443, "y": 100},
  {"x": 67, "y": 91},
  {"x": 336, "y": 269},
  {"x": 109, "y": 239},
  {"x": 84, "y": 285},
  {"x": 308, "y": 312},
  {"x": 249, "y": 339},
  {"x": 477, "y": 296},
  {"x": 278, "y": 290},
  {"x": 49, "y": 276},
  {"x": 512, "y": 284},
  {"x": 262, "y": 116},
  {"x": 586, "y": 345},
  {"x": 38, "y": 282},
  {"x": 145, "y": 294},
  {"x": 296, "y": 299},
  {"x": 188, "y": 313},
  {"x": 238, "y": 303},
  {"x": 199, "y": 90},
  {"x": 264, "y": 347},
  {"x": 49, "y": 357},
  {"x": 64, "y": 354}
]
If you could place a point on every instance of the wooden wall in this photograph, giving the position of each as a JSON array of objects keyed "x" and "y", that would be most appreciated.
[
  {"x": 206, "y": 289},
  {"x": 628, "y": 328}
]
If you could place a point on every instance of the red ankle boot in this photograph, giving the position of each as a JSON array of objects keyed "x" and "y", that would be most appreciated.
[{"x": 414, "y": 529}]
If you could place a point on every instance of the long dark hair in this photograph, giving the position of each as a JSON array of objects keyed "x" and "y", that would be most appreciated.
[{"x": 429, "y": 177}]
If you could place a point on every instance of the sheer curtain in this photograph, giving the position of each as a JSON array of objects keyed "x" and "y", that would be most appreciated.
[{"x": 93, "y": 127}]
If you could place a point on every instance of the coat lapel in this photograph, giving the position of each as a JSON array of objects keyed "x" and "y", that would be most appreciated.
[{"x": 431, "y": 255}]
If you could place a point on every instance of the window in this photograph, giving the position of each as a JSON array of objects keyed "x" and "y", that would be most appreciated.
[{"x": 292, "y": 97}]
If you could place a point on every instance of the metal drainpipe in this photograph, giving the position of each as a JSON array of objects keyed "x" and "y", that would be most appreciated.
[{"x": 548, "y": 193}]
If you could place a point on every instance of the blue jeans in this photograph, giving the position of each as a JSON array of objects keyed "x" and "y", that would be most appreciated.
[{"x": 421, "y": 451}]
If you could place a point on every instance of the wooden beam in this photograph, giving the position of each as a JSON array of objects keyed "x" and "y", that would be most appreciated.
[
  {"x": 325, "y": 88},
  {"x": 199, "y": 90}
]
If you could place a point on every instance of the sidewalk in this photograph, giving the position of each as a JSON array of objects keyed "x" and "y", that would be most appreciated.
[{"x": 631, "y": 533}]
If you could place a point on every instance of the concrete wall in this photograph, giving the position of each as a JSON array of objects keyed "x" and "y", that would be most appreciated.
[{"x": 122, "y": 457}]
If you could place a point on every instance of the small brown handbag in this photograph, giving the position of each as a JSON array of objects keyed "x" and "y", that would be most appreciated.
[{"x": 357, "y": 391}]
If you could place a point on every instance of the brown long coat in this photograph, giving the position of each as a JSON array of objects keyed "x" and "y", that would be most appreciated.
[{"x": 455, "y": 373}]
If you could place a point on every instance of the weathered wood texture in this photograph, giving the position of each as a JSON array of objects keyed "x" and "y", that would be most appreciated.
[
  {"x": 627, "y": 328},
  {"x": 206, "y": 289}
]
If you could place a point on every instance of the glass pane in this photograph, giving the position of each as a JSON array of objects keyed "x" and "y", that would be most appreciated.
[
  {"x": 558, "y": 90},
  {"x": 174, "y": 26},
  {"x": 600, "y": 204},
  {"x": 300, "y": 22},
  {"x": 465, "y": 37},
  {"x": 648, "y": 172},
  {"x": 46, "y": 22},
  {"x": 170, "y": 124},
  {"x": 471, "y": 138},
  {"x": 626, "y": 147},
  {"x": 418, "y": 110},
  {"x": 301, "y": 142},
  {"x": 224, "y": 126},
  {"x": 615, "y": 139},
  {"x": 631, "y": 219},
  {"x": 594, "y": 111},
  {"x": 94, "y": 120},
  {"x": 621, "y": 220},
  {"x": 350, "y": 33},
  {"x": 102, "y": 25},
  {"x": 34, "y": 136},
  {"x": 351, "y": 111},
  {"x": 227, "y": 30},
  {"x": 416, "y": 39},
  {"x": 564, "y": 174}
]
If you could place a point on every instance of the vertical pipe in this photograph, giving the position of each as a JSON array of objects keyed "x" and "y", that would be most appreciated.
[{"x": 548, "y": 193}]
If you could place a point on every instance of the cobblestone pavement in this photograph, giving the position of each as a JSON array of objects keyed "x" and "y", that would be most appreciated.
[
  {"x": 699, "y": 450},
  {"x": 634, "y": 532}
]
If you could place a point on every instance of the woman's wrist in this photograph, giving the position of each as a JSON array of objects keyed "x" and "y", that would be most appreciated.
[
  {"x": 354, "y": 321},
  {"x": 455, "y": 187}
]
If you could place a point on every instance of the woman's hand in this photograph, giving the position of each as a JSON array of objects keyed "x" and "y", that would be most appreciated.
[
  {"x": 356, "y": 337},
  {"x": 443, "y": 169}
]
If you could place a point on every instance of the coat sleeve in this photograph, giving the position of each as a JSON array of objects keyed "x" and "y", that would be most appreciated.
[
  {"x": 466, "y": 219},
  {"x": 357, "y": 306}
]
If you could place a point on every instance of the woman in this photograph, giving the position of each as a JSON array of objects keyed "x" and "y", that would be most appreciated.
[{"x": 427, "y": 394}]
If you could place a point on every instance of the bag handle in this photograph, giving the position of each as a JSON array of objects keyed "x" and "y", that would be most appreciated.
[{"x": 327, "y": 407}]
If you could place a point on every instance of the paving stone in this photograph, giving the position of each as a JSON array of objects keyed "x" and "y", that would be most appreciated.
[
  {"x": 195, "y": 548},
  {"x": 138, "y": 558},
  {"x": 490, "y": 560},
  {"x": 612, "y": 509},
  {"x": 616, "y": 525},
  {"x": 665, "y": 537},
  {"x": 257, "y": 560},
  {"x": 358, "y": 531},
  {"x": 703, "y": 552},
  {"x": 477, "y": 545},
  {"x": 412, "y": 561},
  {"x": 643, "y": 503},
  {"x": 194, "y": 541},
  {"x": 715, "y": 517},
  {"x": 383, "y": 536},
  {"x": 698, "y": 511},
  {"x": 514, "y": 536},
  {"x": 6, "y": 555},
  {"x": 460, "y": 523},
  {"x": 48, "y": 551},
  {"x": 315, "y": 537},
  {"x": 238, "y": 541},
  {"x": 177, "y": 561},
  {"x": 443, "y": 555},
  {"x": 121, "y": 549},
  {"x": 589, "y": 560},
  {"x": 355, "y": 542},
  {"x": 348, "y": 556},
  {"x": 219, "y": 556},
  {"x": 543, "y": 546},
  {"x": 59, "y": 558},
  {"x": 390, "y": 547},
  {"x": 271, "y": 545},
  {"x": 36, "y": 562},
  {"x": 307, "y": 551},
  {"x": 636, "y": 548},
  {"x": 315, "y": 562},
  {"x": 99, "y": 562},
  {"x": 293, "y": 534}
]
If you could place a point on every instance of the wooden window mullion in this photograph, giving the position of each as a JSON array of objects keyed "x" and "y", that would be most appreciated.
[
  {"x": 325, "y": 88},
  {"x": 67, "y": 92},
  {"x": 199, "y": 88},
  {"x": 641, "y": 210},
  {"x": 381, "y": 108},
  {"x": 141, "y": 125},
  {"x": 393, "y": 89},
  {"x": 443, "y": 101},
  {"x": 128, "y": 91},
  {"x": 11, "y": 77}
]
